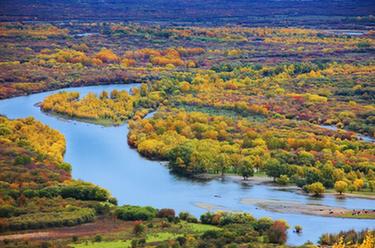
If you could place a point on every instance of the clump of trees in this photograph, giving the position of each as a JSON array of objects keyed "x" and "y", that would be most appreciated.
[
  {"x": 37, "y": 190},
  {"x": 196, "y": 142},
  {"x": 275, "y": 231},
  {"x": 128, "y": 212},
  {"x": 351, "y": 238},
  {"x": 68, "y": 217}
]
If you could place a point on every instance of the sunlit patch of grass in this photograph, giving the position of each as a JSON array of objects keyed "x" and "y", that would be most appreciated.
[
  {"x": 154, "y": 237},
  {"x": 104, "y": 244},
  {"x": 198, "y": 228}
]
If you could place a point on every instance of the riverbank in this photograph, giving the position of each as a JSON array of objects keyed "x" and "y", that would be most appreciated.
[
  {"x": 363, "y": 195},
  {"x": 135, "y": 180},
  {"x": 309, "y": 209},
  {"x": 269, "y": 181},
  {"x": 100, "y": 122},
  {"x": 235, "y": 178}
]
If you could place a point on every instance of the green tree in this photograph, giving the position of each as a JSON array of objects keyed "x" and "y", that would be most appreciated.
[
  {"x": 222, "y": 163},
  {"x": 283, "y": 180},
  {"x": 274, "y": 168},
  {"x": 371, "y": 185},
  {"x": 341, "y": 186},
  {"x": 246, "y": 168},
  {"x": 315, "y": 188},
  {"x": 298, "y": 228}
]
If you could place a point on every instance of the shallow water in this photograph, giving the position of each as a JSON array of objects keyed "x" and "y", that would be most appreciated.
[{"x": 101, "y": 155}]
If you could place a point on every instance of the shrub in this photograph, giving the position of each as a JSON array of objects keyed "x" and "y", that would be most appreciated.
[
  {"x": 298, "y": 229},
  {"x": 181, "y": 241},
  {"x": 165, "y": 224},
  {"x": 263, "y": 224},
  {"x": 236, "y": 218},
  {"x": 226, "y": 218},
  {"x": 98, "y": 238},
  {"x": 135, "y": 213},
  {"x": 315, "y": 188},
  {"x": 138, "y": 228},
  {"x": 341, "y": 186},
  {"x": 183, "y": 215},
  {"x": 283, "y": 180},
  {"x": 277, "y": 233},
  {"x": 22, "y": 160},
  {"x": 65, "y": 166},
  {"x": 7, "y": 211},
  {"x": 188, "y": 217},
  {"x": 211, "y": 234},
  {"x": 68, "y": 217},
  {"x": 166, "y": 213}
]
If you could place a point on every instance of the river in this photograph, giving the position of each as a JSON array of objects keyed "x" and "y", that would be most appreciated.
[{"x": 101, "y": 155}]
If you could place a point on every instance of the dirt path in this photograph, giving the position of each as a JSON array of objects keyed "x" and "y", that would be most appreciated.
[{"x": 100, "y": 226}]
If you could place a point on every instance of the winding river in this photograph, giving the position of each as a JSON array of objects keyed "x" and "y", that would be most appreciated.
[{"x": 101, "y": 155}]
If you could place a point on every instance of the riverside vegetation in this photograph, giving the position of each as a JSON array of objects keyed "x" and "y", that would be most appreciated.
[
  {"x": 295, "y": 104},
  {"x": 37, "y": 192}
]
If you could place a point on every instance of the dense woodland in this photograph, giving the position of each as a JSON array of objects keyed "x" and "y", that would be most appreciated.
[
  {"x": 37, "y": 192},
  {"x": 289, "y": 102},
  {"x": 36, "y": 187},
  {"x": 260, "y": 117}
]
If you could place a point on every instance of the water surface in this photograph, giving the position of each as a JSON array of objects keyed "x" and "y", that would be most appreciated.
[{"x": 101, "y": 155}]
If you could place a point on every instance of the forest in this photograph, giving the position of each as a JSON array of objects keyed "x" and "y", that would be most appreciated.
[
  {"x": 286, "y": 98},
  {"x": 37, "y": 192}
]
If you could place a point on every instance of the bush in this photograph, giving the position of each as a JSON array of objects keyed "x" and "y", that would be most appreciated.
[
  {"x": 188, "y": 217},
  {"x": 68, "y": 217},
  {"x": 138, "y": 243},
  {"x": 77, "y": 190},
  {"x": 183, "y": 215},
  {"x": 226, "y": 218},
  {"x": 263, "y": 224},
  {"x": 181, "y": 240},
  {"x": 341, "y": 186},
  {"x": 277, "y": 233},
  {"x": 298, "y": 229},
  {"x": 84, "y": 191},
  {"x": 7, "y": 211},
  {"x": 139, "y": 228},
  {"x": 283, "y": 180},
  {"x": 135, "y": 213},
  {"x": 166, "y": 213},
  {"x": 350, "y": 236},
  {"x": 22, "y": 160},
  {"x": 98, "y": 238},
  {"x": 65, "y": 166},
  {"x": 211, "y": 234},
  {"x": 315, "y": 188}
]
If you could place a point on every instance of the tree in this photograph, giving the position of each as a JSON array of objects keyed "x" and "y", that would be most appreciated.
[
  {"x": 139, "y": 228},
  {"x": 246, "y": 168},
  {"x": 298, "y": 228},
  {"x": 315, "y": 188},
  {"x": 283, "y": 180},
  {"x": 274, "y": 168},
  {"x": 371, "y": 185},
  {"x": 351, "y": 188},
  {"x": 341, "y": 186},
  {"x": 222, "y": 163},
  {"x": 277, "y": 233},
  {"x": 107, "y": 56},
  {"x": 358, "y": 184}
]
